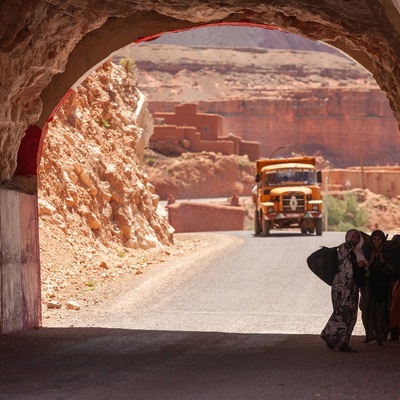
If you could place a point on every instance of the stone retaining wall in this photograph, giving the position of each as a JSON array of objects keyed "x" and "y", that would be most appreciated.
[{"x": 197, "y": 217}]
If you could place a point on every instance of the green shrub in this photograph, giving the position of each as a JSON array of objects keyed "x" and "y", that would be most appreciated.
[
  {"x": 345, "y": 214},
  {"x": 120, "y": 253},
  {"x": 243, "y": 163},
  {"x": 91, "y": 284},
  {"x": 150, "y": 161},
  {"x": 128, "y": 65},
  {"x": 105, "y": 123}
]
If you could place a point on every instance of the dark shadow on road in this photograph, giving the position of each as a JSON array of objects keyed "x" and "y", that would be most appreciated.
[{"x": 98, "y": 363}]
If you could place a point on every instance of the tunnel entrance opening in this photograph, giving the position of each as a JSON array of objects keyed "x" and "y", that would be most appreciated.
[{"x": 90, "y": 282}]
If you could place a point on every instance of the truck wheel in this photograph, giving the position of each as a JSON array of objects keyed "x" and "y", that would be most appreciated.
[
  {"x": 318, "y": 226},
  {"x": 266, "y": 227},
  {"x": 257, "y": 224}
]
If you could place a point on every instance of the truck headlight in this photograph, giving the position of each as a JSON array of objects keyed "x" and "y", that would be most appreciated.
[
  {"x": 315, "y": 207},
  {"x": 270, "y": 210}
]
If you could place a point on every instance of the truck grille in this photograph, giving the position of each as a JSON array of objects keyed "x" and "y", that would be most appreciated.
[{"x": 292, "y": 203}]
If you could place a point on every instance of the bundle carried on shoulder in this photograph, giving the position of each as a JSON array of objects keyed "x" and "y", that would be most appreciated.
[{"x": 324, "y": 263}]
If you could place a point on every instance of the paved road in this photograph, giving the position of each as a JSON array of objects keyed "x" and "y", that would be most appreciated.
[
  {"x": 238, "y": 323},
  {"x": 254, "y": 285}
]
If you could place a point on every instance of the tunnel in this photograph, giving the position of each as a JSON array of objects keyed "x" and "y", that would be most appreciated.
[{"x": 48, "y": 48}]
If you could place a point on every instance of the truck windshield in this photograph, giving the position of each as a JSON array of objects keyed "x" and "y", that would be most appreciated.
[{"x": 290, "y": 176}]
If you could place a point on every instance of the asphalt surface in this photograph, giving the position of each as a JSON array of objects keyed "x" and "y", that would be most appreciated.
[{"x": 240, "y": 320}]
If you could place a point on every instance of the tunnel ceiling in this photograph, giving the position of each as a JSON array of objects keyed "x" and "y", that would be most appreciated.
[{"x": 48, "y": 45}]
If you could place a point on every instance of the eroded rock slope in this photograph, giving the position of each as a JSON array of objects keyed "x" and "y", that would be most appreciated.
[{"x": 97, "y": 209}]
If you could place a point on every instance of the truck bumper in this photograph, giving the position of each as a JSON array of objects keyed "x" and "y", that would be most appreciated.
[{"x": 293, "y": 216}]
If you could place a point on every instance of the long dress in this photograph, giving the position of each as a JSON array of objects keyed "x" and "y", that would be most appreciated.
[
  {"x": 377, "y": 305},
  {"x": 344, "y": 293}
]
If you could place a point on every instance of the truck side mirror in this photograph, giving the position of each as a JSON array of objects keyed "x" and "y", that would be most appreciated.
[
  {"x": 319, "y": 176},
  {"x": 257, "y": 178}
]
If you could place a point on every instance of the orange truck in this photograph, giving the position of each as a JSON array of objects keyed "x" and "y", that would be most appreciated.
[{"x": 287, "y": 194}]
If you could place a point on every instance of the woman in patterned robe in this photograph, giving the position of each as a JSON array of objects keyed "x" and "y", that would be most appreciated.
[{"x": 339, "y": 328}]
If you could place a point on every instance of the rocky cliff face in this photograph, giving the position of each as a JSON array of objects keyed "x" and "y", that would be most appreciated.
[
  {"x": 90, "y": 169},
  {"x": 97, "y": 208},
  {"x": 347, "y": 126}
]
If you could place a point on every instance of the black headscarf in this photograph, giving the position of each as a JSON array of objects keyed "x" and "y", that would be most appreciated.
[{"x": 379, "y": 233}]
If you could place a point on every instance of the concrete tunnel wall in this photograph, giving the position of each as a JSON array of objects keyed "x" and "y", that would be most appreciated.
[{"x": 20, "y": 297}]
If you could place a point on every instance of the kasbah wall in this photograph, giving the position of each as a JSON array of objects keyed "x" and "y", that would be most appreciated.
[
  {"x": 379, "y": 180},
  {"x": 196, "y": 132}
]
